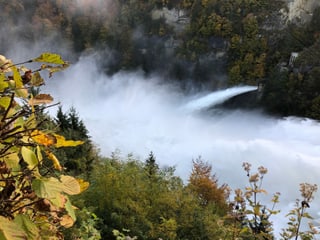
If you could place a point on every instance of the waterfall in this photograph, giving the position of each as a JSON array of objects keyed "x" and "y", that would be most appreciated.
[
  {"x": 216, "y": 97},
  {"x": 137, "y": 115}
]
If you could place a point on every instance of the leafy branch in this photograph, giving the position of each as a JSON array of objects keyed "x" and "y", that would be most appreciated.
[
  {"x": 34, "y": 198},
  {"x": 251, "y": 218},
  {"x": 293, "y": 231}
]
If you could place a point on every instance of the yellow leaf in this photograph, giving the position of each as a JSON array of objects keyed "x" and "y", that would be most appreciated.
[
  {"x": 11, "y": 83},
  {"x": 70, "y": 185},
  {"x": 39, "y": 155},
  {"x": 49, "y": 58},
  {"x": 41, "y": 99},
  {"x": 12, "y": 161},
  {"x": 62, "y": 142},
  {"x": 17, "y": 77},
  {"x": 10, "y": 230},
  {"x": 43, "y": 138},
  {"x": 55, "y": 161},
  {"x": 83, "y": 184},
  {"x": 22, "y": 92},
  {"x": 66, "y": 221}
]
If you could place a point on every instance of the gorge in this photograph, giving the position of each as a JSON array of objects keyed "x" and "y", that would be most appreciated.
[{"x": 130, "y": 114}]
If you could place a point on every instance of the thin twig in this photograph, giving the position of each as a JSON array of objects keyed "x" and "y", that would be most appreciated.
[
  {"x": 7, "y": 110},
  {"x": 26, "y": 205},
  {"x": 16, "y": 64}
]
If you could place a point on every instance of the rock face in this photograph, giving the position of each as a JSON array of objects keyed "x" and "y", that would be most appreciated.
[
  {"x": 300, "y": 10},
  {"x": 174, "y": 17}
]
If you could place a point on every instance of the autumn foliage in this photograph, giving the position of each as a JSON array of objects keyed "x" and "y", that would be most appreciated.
[
  {"x": 205, "y": 184},
  {"x": 34, "y": 190}
]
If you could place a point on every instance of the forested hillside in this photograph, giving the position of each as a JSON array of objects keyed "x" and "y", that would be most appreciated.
[
  {"x": 204, "y": 43},
  {"x": 211, "y": 43}
]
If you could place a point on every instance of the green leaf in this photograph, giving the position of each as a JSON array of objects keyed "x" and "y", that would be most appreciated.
[
  {"x": 19, "y": 88},
  {"x": 51, "y": 187},
  {"x": 20, "y": 122},
  {"x": 3, "y": 83},
  {"x": 12, "y": 162},
  {"x": 70, "y": 209},
  {"x": 307, "y": 215},
  {"x": 59, "y": 201},
  {"x": 47, "y": 187},
  {"x": 9, "y": 230},
  {"x": 31, "y": 122},
  {"x": 256, "y": 210},
  {"x": 28, "y": 226},
  {"x": 244, "y": 230},
  {"x": 49, "y": 58},
  {"x": 29, "y": 157},
  {"x": 5, "y": 102}
]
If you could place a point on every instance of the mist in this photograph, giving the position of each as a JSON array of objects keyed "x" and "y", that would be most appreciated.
[{"x": 130, "y": 114}]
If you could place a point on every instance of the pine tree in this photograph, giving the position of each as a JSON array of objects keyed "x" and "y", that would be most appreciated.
[
  {"x": 80, "y": 159},
  {"x": 151, "y": 166}
]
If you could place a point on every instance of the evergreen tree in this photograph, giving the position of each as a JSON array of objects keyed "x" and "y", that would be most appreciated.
[
  {"x": 151, "y": 166},
  {"x": 80, "y": 159}
]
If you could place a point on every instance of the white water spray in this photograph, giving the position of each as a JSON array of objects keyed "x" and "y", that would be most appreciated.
[
  {"x": 137, "y": 115},
  {"x": 217, "y": 97}
]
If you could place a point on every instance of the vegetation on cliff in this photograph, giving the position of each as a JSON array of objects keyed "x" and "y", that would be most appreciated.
[{"x": 245, "y": 42}]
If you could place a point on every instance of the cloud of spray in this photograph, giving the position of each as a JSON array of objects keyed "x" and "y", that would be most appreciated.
[
  {"x": 138, "y": 115},
  {"x": 105, "y": 9}
]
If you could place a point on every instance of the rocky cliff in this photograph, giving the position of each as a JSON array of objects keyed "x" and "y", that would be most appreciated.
[{"x": 299, "y": 10}]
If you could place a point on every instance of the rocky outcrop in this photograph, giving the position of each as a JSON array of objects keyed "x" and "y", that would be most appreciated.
[
  {"x": 174, "y": 17},
  {"x": 299, "y": 11}
]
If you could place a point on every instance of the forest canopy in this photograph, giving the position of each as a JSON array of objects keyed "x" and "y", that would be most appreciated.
[{"x": 214, "y": 43}]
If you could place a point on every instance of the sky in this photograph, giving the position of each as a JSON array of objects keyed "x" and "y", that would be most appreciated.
[{"x": 131, "y": 114}]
